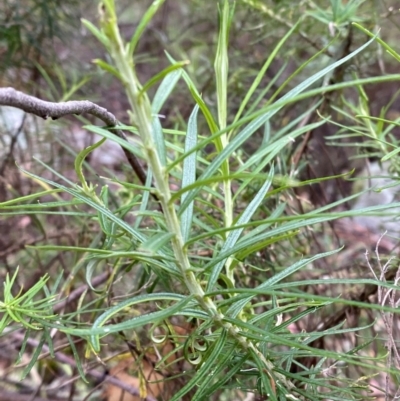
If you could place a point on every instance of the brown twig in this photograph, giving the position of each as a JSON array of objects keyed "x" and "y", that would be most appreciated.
[
  {"x": 8, "y": 396},
  {"x": 101, "y": 278},
  {"x": 63, "y": 358},
  {"x": 44, "y": 109}
]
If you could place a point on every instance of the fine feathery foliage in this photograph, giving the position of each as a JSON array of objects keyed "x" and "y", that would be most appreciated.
[{"x": 189, "y": 238}]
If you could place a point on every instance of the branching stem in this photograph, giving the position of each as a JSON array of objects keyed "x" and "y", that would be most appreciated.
[
  {"x": 143, "y": 120},
  {"x": 44, "y": 109}
]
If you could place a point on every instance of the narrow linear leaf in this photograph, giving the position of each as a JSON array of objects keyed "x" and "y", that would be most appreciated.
[
  {"x": 267, "y": 153},
  {"x": 144, "y": 21},
  {"x": 89, "y": 270},
  {"x": 221, "y": 64},
  {"x": 189, "y": 172},
  {"x": 227, "y": 376},
  {"x": 34, "y": 357},
  {"x": 164, "y": 90},
  {"x": 159, "y": 140},
  {"x": 108, "y": 68},
  {"x": 100, "y": 36},
  {"x": 21, "y": 353},
  {"x": 29, "y": 197},
  {"x": 389, "y": 49},
  {"x": 219, "y": 179},
  {"x": 49, "y": 341},
  {"x": 145, "y": 199},
  {"x": 250, "y": 239},
  {"x": 199, "y": 100},
  {"x": 279, "y": 104},
  {"x": 235, "y": 234},
  {"x": 98, "y": 329},
  {"x": 205, "y": 368},
  {"x": 77, "y": 359},
  {"x": 203, "y": 392},
  {"x": 80, "y": 158},
  {"x": 259, "y": 121},
  {"x": 135, "y": 149},
  {"x": 77, "y": 194},
  {"x": 236, "y": 308},
  {"x": 156, "y": 242},
  {"x": 262, "y": 71}
]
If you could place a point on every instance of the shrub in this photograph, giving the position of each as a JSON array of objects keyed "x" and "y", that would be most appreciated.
[{"x": 206, "y": 239}]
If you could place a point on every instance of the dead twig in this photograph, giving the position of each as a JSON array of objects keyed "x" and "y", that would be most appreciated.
[
  {"x": 44, "y": 109},
  {"x": 101, "y": 376},
  {"x": 9, "y": 396},
  {"x": 75, "y": 294}
]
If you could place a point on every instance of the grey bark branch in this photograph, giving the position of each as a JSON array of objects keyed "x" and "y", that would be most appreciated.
[{"x": 44, "y": 109}]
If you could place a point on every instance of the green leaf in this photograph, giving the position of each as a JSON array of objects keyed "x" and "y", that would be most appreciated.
[
  {"x": 164, "y": 90},
  {"x": 261, "y": 73},
  {"x": 309, "y": 94},
  {"x": 241, "y": 293},
  {"x": 101, "y": 37},
  {"x": 264, "y": 155},
  {"x": 108, "y": 68},
  {"x": 98, "y": 329},
  {"x": 266, "y": 378},
  {"x": 35, "y": 356},
  {"x": 77, "y": 194},
  {"x": 254, "y": 125},
  {"x": 218, "y": 179},
  {"x": 29, "y": 197},
  {"x": 21, "y": 353},
  {"x": 389, "y": 155},
  {"x": 189, "y": 172},
  {"x": 107, "y": 227},
  {"x": 227, "y": 376},
  {"x": 221, "y": 64},
  {"x": 142, "y": 26},
  {"x": 235, "y": 234},
  {"x": 206, "y": 367},
  {"x": 135, "y": 149},
  {"x": 263, "y": 244},
  {"x": 80, "y": 158},
  {"x": 203, "y": 392},
  {"x": 89, "y": 270},
  {"x": 49, "y": 341},
  {"x": 77, "y": 358},
  {"x": 159, "y": 141},
  {"x": 156, "y": 242},
  {"x": 236, "y": 308},
  {"x": 389, "y": 49},
  {"x": 250, "y": 239},
  {"x": 198, "y": 99},
  {"x": 145, "y": 199}
]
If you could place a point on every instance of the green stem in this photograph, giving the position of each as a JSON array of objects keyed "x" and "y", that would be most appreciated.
[
  {"x": 143, "y": 119},
  {"x": 221, "y": 67}
]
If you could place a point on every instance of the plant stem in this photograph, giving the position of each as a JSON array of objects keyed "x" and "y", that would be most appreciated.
[
  {"x": 143, "y": 120},
  {"x": 221, "y": 67}
]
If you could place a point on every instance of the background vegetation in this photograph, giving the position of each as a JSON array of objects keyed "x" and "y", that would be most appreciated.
[{"x": 249, "y": 264}]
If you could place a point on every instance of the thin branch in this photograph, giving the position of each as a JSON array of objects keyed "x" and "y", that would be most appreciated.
[
  {"x": 44, "y": 109},
  {"x": 11, "y": 396},
  {"x": 80, "y": 290},
  {"x": 63, "y": 358}
]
